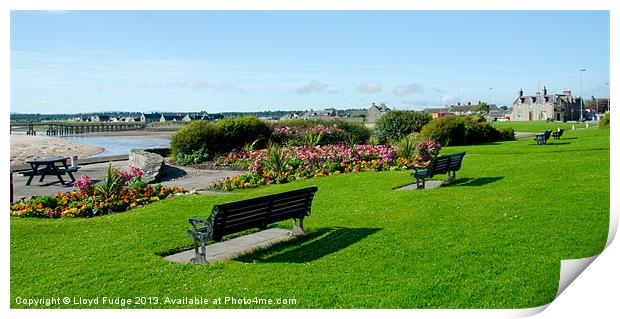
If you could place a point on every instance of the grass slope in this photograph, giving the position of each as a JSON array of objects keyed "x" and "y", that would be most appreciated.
[{"x": 494, "y": 240}]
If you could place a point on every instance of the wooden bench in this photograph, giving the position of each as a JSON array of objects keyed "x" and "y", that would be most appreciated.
[
  {"x": 556, "y": 135},
  {"x": 439, "y": 165},
  {"x": 234, "y": 217},
  {"x": 46, "y": 172},
  {"x": 56, "y": 166},
  {"x": 542, "y": 138}
]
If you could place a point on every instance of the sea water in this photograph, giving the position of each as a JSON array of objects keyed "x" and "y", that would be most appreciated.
[{"x": 118, "y": 145}]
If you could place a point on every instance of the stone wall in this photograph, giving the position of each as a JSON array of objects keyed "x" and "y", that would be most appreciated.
[{"x": 150, "y": 163}]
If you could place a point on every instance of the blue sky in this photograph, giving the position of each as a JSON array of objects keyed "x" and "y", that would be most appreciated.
[{"x": 85, "y": 61}]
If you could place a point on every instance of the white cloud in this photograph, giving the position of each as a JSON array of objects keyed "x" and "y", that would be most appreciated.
[
  {"x": 316, "y": 87},
  {"x": 369, "y": 88},
  {"x": 450, "y": 99},
  {"x": 193, "y": 84},
  {"x": 41, "y": 102},
  {"x": 404, "y": 89},
  {"x": 196, "y": 84}
]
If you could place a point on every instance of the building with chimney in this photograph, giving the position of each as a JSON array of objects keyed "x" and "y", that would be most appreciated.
[
  {"x": 375, "y": 112},
  {"x": 544, "y": 106}
]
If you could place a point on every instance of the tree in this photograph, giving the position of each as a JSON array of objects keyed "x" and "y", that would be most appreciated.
[
  {"x": 601, "y": 105},
  {"x": 503, "y": 107},
  {"x": 481, "y": 108}
]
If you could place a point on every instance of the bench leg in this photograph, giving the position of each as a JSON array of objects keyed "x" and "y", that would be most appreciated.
[
  {"x": 62, "y": 181},
  {"x": 420, "y": 185},
  {"x": 452, "y": 178},
  {"x": 199, "y": 242},
  {"x": 29, "y": 180},
  {"x": 42, "y": 178},
  {"x": 201, "y": 256},
  {"x": 72, "y": 178},
  {"x": 297, "y": 229}
]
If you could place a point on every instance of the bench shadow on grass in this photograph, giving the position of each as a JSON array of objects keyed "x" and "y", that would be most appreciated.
[
  {"x": 479, "y": 181},
  {"x": 314, "y": 245}
]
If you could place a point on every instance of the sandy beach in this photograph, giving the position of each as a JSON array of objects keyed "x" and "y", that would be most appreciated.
[{"x": 25, "y": 148}]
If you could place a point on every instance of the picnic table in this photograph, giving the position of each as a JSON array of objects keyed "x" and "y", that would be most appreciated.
[{"x": 50, "y": 166}]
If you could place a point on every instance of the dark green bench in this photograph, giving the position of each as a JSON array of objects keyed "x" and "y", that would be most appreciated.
[
  {"x": 556, "y": 135},
  {"x": 444, "y": 164},
  {"x": 542, "y": 138},
  {"x": 230, "y": 218}
]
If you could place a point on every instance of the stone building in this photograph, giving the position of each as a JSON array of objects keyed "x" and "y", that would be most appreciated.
[
  {"x": 543, "y": 106},
  {"x": 375, "y": 112},
  {"x": 149, "y": 118}
]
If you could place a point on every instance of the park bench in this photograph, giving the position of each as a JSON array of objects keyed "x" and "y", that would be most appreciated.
[
  {"x": 439, "y": 165},
  {"x": 542, "y": 138},
  {"x": 234, "y": 217},
  {"x": 556, "y": 135}
]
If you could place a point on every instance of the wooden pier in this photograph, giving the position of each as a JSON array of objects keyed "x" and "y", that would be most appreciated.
[{"x": 72, "y": 129}]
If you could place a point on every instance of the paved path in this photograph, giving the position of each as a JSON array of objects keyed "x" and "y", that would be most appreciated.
[
  {"x": 429, "y": 184},
  {"x": 237, "y": 246}
]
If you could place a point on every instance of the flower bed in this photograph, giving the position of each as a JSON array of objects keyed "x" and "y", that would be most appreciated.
[
  {"x": 282, "y": 165},
  {"x": 118, "y": 193}
]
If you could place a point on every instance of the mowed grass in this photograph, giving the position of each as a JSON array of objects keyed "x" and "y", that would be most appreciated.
[
  {"x": 493, "y": 240},
  {"x": 537, "y": 126}
]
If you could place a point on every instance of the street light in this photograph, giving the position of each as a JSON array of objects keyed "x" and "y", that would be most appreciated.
[
  {"x": 490, "y": 95},
  {"x": 581, "y": 93}
]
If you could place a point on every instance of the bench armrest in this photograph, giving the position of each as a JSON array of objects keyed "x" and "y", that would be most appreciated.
[
  {"x": 198, "y": 223},
  {"x": 418, "y": 168}
]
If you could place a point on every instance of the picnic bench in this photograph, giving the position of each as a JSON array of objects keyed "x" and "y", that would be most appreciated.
[
  {"x": 557, "y": 134},
  {"x": 439, "y": 165},
  {"x": 542, "y": 138},
  {"x": 259, "y": 212},
  {"x": 56, "y": 166}
]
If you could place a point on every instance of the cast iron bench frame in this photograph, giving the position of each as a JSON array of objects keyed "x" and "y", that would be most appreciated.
[
  {"x": 558, "y": 134},
  {"x": 542, "y": 138},
  {"x": 439, "y": 165},
  {"x": 259, "y": 212}
]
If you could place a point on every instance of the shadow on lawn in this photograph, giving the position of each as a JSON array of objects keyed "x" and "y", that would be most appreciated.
[
  {"x": 479, "y": 181},
  {"x": 310, "y": 247},
  {"x": 556, "y": 143}
]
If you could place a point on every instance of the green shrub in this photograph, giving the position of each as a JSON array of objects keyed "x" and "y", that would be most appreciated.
[
  {"x": 604, "y": 123},
  {"x": 200, "y": 140},
  {"x": 235, "y": 132},
  {"x": 195, "y": 157},
  {"x": 416, "y": 138},
  {"x": 464, "y": 130},
  {"x": 357, "y": 133},
  {"x": 395, "y": 125},
  {"x": 506, "y": 134},
  {"x": 448, "y": 130},
  {"x": 193, "y": 137}
]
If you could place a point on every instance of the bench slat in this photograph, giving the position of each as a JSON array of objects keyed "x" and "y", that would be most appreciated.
[{"x": 261, "y": 211}]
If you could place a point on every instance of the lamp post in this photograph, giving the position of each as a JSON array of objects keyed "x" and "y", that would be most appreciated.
[
  {"x": 490, "y": 95},
  {"x": 581, "y": 93}
]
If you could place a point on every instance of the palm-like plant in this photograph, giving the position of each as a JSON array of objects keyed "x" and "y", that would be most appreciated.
[
  {"x": 111, "y": 183},
  {"x": 278, "y": 161}
]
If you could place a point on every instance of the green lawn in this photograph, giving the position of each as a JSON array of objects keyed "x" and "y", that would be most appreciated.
[
  {"x": 537, "y": 126},
  {"x": 493, "y": 240}
]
